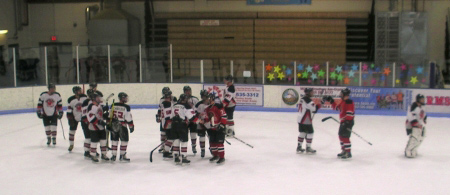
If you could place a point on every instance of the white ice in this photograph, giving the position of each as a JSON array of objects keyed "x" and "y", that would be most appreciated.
[{"x": 29, "y": 166}]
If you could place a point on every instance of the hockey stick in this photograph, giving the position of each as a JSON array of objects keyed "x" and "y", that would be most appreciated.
[
  {"x": 227, "y": 142},
  {"x": 243, "y": 142},
  {"x": 111, "y": 115},
  {"x": 62, "y": 127},
  {"x": 151, "y": 152},
  {"x": 330, "y": 117}
]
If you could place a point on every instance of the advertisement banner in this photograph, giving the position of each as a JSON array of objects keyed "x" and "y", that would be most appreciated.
[
  {"x": 246, "y": 95},
  {"x": 436, "y": 100},
  {"x": 380, "y": 98},
  {"x": 290, "y": 95}
]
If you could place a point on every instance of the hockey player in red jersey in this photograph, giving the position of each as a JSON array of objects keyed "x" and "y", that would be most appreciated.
[
  {"x": 215, "y": 123},
  {"x": 74, "y": 113},
  {"x": 229, "y": 104},
  {"x": 125, "y": 120},
  {"x": 305, "y": 127},
  {"x": 49, "y": 109},
  {"x": 416, "y": 119},
  {"x": 347, "y": 113}
]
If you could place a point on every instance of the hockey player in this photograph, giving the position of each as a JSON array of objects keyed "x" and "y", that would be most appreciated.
[
  {"x": 346, "y": 115},
  {"x": 166, "y": 107},
  {"x": 200, "y": 108},
  {"x": 93, "y": 86},
  {"x": 216, "y": 124},
  {"x": 192, "y": 101},
  {"x": 158, "y": 116},
  {"x": 416, "y": 119},
  {"x": 97, "y": 127},
  {"x": 182, "y": 115},
  {"x": 123, "y": 115},
  {"x": 304, "y": 119},
  {"x": 74, "y": 112},
  {"x": 49, "y": 109},
  {"x": 229, "y": 103},
  {"x": 85, "y": 124}
]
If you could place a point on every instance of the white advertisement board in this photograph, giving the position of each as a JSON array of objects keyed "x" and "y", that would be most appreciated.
[
  {"x": 436, "y": 100},
  {"x": 246, "y": 95},
  {"x": 290, "y": 95}
]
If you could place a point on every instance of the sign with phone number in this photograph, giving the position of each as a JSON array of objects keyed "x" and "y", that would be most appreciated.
[{"x": 245, "y": 95}]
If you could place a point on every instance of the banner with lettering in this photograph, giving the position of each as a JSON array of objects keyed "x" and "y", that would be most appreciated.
[{"x": 246, "y": 95}]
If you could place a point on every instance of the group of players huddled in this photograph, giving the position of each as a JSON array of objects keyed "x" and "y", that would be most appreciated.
[{"x": 177, "y": 117}]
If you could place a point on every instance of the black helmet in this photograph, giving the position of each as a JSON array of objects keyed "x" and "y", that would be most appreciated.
[
  {"x": 419, "y": 96},
  {"x": 75, "y": 89},
  {"x": 203, "y": 93},
  {"x": 122, "y": 95},
  {"x": 229, "y": 78},
  {"x": 51, "y": 85},
  {"x": 165, "y": 89},
  {"x": 183, "y": 97},
  {"x": 89, "y": 93},
  {"x": 94, "y": 96},
  {"x": 186, "y": 88},
  {"x": 345, "y": 92},
  {"x": 307, "y": 90},
  {"x": 168, "y": 94},
  {"x": 93, "y": 84}
]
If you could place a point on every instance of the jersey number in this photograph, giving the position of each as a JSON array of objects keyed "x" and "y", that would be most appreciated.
[{"x": 118, "y": 114}]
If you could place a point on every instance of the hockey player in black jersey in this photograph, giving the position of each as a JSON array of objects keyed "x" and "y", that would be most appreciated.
[
  {"x": 74, "y": 112},
  {"x": 49, "y": 109},
  {"x": 191, "y": 101},
  {"x": 124, "y": 120}
]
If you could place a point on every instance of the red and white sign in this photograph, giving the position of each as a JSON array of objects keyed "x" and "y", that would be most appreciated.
[
  {"x": 437, "y": 100},
  {"x": 246, "y": 95}
]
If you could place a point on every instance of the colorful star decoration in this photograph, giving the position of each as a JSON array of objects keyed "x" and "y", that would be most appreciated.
[
  {"x": 413, "y": 80},
  {"x": 340, "y": 77},
  {"x": 313, "y": 76},
  {"x": 309, "y": 68},
  {"x": 284, "y": 67},
  {"x": 333, "y": 75},
  {"x": 419, "y": 70},
  {"x": 281, "y": 76},
  {"x": 397, "y": 81},
  {"x": 270, "y": 76},
  {"x": 387, "y": 71},
  {"x": 288, "y": 71},
  {"x": 373, "y": 82},
  {"x": 338, "y": 69},
  {"x": 355, "y": 67},
  {"x": 299, "y": 75},
  {"x": 351, "y": 73},
  {"x": 300, "y": 67},
  {"x": 305, "y": 74},
  {"x": 403, "y": 67},
  {"x": 364, "y": 67},
  {"x": 316, "y": 67},
  {"x": 277, "y": 69},
  {"x": 321, "y": 73},
  {"x": 346, "y": 80},
  {"x": 268, "y": 68}
]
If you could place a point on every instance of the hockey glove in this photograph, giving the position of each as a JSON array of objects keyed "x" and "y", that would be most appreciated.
[
  {"x": 158, "y": 118},
  {"x": 408, "y": 131},
  {"x": 101, "y": 123},
  {"x": 222, "y": 128},
  {"x": 60, "y": 114},
  {"x": 131, "y": 129},
  {"x": 39, "y": 114}
]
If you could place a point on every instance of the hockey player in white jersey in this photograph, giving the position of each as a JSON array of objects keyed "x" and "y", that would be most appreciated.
[
  {"x": 306, "y": 107},
  {"x": 163, "y": 133},
  {"x": 166, "y": 107},
  {"x": 182, "y": 115},
  {"x": 191, "y": 101},
  {"x": 123, "y": 116},
  {"x": 200, "y": 108},
  {"x": 49, "y": 109},
  {"x": 97, "y": 127},
  {"x": 74, "y": 112},
  {"x": 415, "y": 126},
  {"x": 229, "y": 103}
]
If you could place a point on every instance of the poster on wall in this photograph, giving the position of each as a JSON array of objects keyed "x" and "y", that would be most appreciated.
[
  {"x": 436, "y": 100},
  {"x": 246, "y": 95},
  {"x": 380, "y": 98},
  {"x": 290, "y": 95}
]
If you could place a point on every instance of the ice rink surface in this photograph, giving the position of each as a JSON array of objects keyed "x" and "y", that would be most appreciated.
[{"x": 29, "y": 166}]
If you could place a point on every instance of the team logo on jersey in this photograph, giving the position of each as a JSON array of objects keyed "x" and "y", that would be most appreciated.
[
  {"x": 78, "y": 107},
  {"x": 290, "y": 96},
  {"x": 50, "y": 102}
]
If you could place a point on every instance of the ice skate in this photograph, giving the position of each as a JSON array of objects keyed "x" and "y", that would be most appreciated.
[
  {"x": 87, "y": 155},
  {"x": 341, "y": 154},
  {"x": 49, "y": 140},
  {"x": 113, "y": 158},
  {"x": 124, "y": 158},
  {"x": 310, "y": 150},
  {"x": 202, "y": 154},
  {"x": 54, "y": 140},
  {"x": 221, "y": 161},
  {"x": 177, "y": 160},
  {"x": 161, "y": 150},
  {"x": 94, "y": 158},
  {"x": 104, "y": 157},
  {"x": 300, "y": 149},
  {"x": 167, "y": 155},
  {"x": 70, "y": 148},
  {"x": 347, "y": 155},
  {"x": 194, "y": 150},
  {"x": 185, "y": 160},
  {"x": 213, "y": 159}
]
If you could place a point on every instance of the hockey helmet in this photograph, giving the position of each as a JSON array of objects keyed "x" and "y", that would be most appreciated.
[
  {"x": 89, "y": 93},
  {"x": 96, "y": 97},
  {"x": 165, "y": 90},
  {"x": 182, "y": 98},
  {"x": 420, "y": 97},
  {"x": 168, "y": 94},
  {"x": 229, "y": 78},
  {"x": 75, "y": 89},
  {"x": 186, "y": 88},
  {"x": 51, "y": 86},
  {"x": 123, "y": 97},
  {"x": 203, "y": 93},
  {"x": 308, "y": 90},
  {"x": 93, "y": 85},
  {"x": 345, "y": 92}
]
